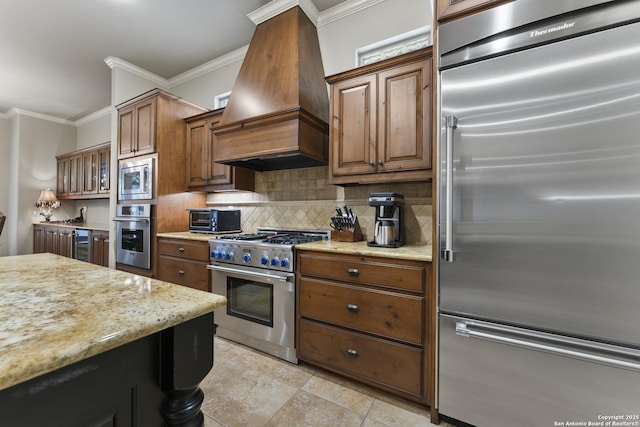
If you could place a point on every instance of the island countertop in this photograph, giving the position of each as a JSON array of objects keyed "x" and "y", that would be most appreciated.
[{"x": 55, "y": 311}]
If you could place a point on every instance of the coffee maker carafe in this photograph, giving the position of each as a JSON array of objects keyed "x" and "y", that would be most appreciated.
[{"x": 388, "y": 230}]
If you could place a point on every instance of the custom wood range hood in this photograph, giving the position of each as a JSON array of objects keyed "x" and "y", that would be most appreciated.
[{"x": 277, "y": 114}]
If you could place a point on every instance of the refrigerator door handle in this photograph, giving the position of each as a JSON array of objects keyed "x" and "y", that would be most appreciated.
[
  {"x": 451, "y": 122},
  {"x": 589, "y": 351}
]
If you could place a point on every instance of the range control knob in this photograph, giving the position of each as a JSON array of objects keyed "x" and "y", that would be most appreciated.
[
  {"x": 274, "y": 261},
  {"x": 284, "y": 263},
  {"x": 229, "y": 256},
  {"x": 220, "y": 254},
  {"x": 264, "y": 260},
  {"x": 214, "y": 254},
  {"x": 246, "y": 258}
]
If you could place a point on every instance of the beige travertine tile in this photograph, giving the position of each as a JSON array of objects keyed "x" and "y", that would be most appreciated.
[
  {"x": 305, "y": 409},
  {"x": 368, "y": 422},
  {"x": 331, "y": 390},
  {"x": 398, "y": 416},
  {"x": 286, "y": 372},
  {"x": 210, "y": 422},
  {"x": 236, "y": 395}
]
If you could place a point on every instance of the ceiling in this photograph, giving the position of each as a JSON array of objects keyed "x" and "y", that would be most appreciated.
[{"x": 52, "y": 52}]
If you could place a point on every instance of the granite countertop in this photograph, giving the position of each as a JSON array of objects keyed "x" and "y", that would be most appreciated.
[
  {"x": 55, "y": 311},
  {"x": 87, "y": 225},
  {"x": 187, "y": 235},
  {"x": 411, "y": 252},
  {"x": 415, "y": 252}
]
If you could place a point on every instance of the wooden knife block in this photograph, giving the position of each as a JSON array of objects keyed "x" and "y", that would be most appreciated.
[{"x": 354, "y": 235}]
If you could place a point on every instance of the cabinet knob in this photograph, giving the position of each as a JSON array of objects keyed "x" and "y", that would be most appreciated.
[
  {"x": 352, "y": 353},
  {"x": 180, "y": 249},
  {"x": 353, "y": 308},
  {"x": 380, "y": 162},
  {"x": 353, "y": 272},
  {"x": 370, "y": 163},
  {"x": 180, "y": 272}
]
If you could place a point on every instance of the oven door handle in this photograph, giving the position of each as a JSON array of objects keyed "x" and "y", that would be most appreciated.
[
  {"x": 127, "y": 219},
  {"x": 284, "y": 278}
]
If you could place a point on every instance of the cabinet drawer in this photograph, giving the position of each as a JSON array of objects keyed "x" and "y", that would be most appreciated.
[
  {"x": 399, "y": 274},
  {"x": 369, "y": 310},
  {"x": 380, "y": 361},
  {"x": 184, "y": 249},
  {"x": 193, "y": 274}
]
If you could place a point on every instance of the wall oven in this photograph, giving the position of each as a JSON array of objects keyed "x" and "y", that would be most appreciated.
[
  {"x": 135, "y": 179},
  {"x": 133, "y": 234},
  {"x": 255, "y": 272}
]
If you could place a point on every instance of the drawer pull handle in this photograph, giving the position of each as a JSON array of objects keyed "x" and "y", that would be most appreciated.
[
  {"x": 353, "y": 308},
  {"x": 353, "y": 272},
  {"x": 180, "y": 272},
  {"x": 352, "y": 353},
  {"x": 180, "y": 249}
]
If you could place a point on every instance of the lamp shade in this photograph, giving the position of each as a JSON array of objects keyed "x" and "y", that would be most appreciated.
[{"x": 47, "y": 196}]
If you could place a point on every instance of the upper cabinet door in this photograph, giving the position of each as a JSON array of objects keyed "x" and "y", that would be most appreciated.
[
  {"x": 198, "y": 141},
  {"x": 145, "y": 123},
  {"x": 137, "y": 129},
  {"x": 104, "y": 170},
  {"x": 404, "y": 123},
  {"x": 126, "y": 145},
  {"x": 353, "y": 126}
]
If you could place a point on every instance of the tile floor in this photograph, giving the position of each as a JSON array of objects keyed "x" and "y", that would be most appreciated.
[{"x": 249, "y": 388}]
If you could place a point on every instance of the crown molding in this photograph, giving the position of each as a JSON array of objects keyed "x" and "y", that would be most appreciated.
[
  {"x": 215, "y": 64},
  {"x": 276, "y": 7},
  {"x": 115, "y": 62},
  {"x": 20, "y": 112},
  {"x": 93, "y": 116},
  {"x": 343, "y": 10}
]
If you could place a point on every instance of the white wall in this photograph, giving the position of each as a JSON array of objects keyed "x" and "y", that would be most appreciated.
[
  {"x": 340, "y": 39},
  {"x": 34, "y": 144},
  {"x": 5, "y": 142}
]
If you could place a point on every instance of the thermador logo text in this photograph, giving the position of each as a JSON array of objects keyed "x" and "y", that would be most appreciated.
[{"x": 562, "y": 27}]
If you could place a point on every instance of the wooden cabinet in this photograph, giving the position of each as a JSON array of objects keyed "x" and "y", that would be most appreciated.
[
  {"x": 184, "y": 262},
  {"x": 203, "y": 173},
  {"x": 451, "y": 9},
  {"x": 100, "y": 247},
  {"x": 53, "y": 239},
  {"x": 137, "y": 128},
  {"x": 60, "y": 240},
  {"x": 381, "y": 121},
  {"x": 84, "y": 174},
  {"x": 368, "y": 318},
  {"x": 69, "y": 179},
  {"x": 153, "y": 122}
]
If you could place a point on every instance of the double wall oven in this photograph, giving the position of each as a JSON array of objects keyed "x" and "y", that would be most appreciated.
[{"x": 256, "y": 274}]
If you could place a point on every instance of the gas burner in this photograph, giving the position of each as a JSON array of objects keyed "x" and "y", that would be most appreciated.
[
  {"x": 291, "y": 239},
  {"x": 247, "y": 236}
]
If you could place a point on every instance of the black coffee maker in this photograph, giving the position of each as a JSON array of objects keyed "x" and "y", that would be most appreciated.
[{"x": 388, "y": 231}]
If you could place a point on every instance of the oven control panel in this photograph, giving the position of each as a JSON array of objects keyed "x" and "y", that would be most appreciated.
[{"x": 266, "y": 257}]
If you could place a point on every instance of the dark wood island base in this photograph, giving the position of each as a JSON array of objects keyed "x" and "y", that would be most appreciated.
[{"x": 152, "y": 381}]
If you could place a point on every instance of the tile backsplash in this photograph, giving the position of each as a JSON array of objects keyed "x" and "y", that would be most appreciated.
[{"x": 302, "y": 198}]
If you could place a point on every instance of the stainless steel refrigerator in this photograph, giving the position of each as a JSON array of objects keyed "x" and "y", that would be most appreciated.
[{"x": 539, "y": 214}]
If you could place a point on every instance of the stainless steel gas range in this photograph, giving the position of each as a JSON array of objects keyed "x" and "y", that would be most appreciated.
[{"x": 256, "y": 274}]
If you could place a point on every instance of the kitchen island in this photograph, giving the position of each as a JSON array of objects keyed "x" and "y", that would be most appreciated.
[{"x": 86, "y": 345}]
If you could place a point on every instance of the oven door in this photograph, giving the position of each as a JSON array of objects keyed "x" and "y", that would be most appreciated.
[
  {"x": 260, "y": 310},
  {"x": 133, "y": 241}
]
